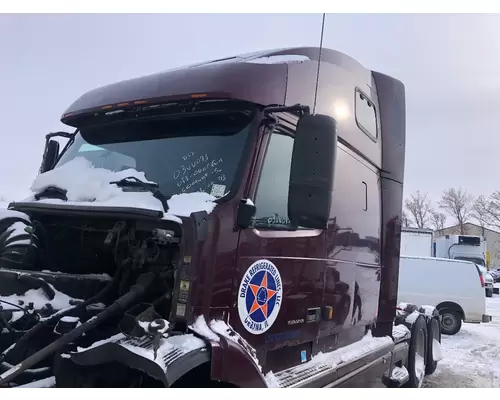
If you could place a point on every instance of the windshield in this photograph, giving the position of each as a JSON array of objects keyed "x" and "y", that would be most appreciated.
[
  {"x": 475, "y": 260},
  {"x": 182, "y": 155}
]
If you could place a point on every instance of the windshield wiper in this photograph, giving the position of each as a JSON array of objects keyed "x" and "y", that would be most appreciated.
[{"x": 152, "y": 187}]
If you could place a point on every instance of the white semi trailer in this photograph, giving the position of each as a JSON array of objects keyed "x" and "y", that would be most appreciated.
[
  {"x": 461, "y": 247},
  {"x": 416, "y": 242}
]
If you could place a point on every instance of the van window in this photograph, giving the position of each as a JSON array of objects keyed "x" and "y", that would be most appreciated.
[
  {"x": 272, "y": 193},
  {"x": 366, "y": 114},
  {"x": 475, "y": 260}
]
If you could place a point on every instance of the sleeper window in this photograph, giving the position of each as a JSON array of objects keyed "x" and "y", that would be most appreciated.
[{"x": 366, "y": 115}]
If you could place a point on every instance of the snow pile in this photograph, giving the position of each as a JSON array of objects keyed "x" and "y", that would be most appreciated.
[
  {"x": 398, "y": 371},
  {"x": 39, "y": 299},
  {"x": 419, "y": 368},
  {"x": 88, "y": 185},
  {"x": 219, "y": 327},
  {"x": 437, "y": 355},
  {"x": 229, "y": 333},
  {"x": 428, "y": 310},
  {"x": 154, "y": 326},
  {"x": 84, "y": 182},
  {"x": 271, "y": 380},
  {"x": 400, "y": 331},
  {"x": 412, "y": 317},
  {"x": 471, "y": 357},
  {"x": 186, "y": 343},
  {"x": 279, "y": 59},
  {"x": 331, "y": 360},
  {"x": 351, "y": 352},
  {"x": 201, "y": 328}
]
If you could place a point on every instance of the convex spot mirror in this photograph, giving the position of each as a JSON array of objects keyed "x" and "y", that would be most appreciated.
[{"x": 312, "y": 172}]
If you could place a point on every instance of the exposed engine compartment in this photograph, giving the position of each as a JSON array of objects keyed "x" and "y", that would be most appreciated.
[{"x": 79, "y": 275}]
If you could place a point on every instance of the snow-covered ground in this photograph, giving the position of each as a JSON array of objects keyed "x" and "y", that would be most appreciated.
[{"x": 471, "y": 358}]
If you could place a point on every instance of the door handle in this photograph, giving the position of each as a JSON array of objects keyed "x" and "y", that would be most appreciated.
[{"x": 366, "y": 196}]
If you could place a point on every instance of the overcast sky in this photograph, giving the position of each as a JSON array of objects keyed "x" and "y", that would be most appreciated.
[{"x": 450, "y": 65}]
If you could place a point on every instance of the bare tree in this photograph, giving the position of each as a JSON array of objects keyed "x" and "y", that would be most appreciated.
[
  {"x": 438, "y": 219},
  {"x": 481, "y": 212},
  {"x": 405, "y": 220},
  {"x": 458, "y": 204},
  {"x": 419, "y": 207},
  {"x": 487, "y": 210}
]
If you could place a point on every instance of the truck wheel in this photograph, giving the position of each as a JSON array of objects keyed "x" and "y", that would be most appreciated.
[
  {"x": 417, "y": 353},
  {"x": 433, "y": 354},
  {"x": 451, "y": 322}
]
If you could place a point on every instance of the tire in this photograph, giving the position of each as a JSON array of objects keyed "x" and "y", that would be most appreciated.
[
  {"x": 451, "y": 322},
  {"x": 417, "y": 353},
  {"x": 433, "y": 333},
  {"x": 489, "y": 292}
]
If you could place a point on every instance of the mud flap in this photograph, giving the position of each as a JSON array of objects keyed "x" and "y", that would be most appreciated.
[{"x": 172, "y": 362}]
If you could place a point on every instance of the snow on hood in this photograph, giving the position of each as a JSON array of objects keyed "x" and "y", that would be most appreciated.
[{"x": 90, "y": 186}]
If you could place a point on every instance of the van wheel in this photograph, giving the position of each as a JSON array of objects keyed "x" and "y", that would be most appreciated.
[
  {"x": 417, "y": 353},
  {"x": 451, "y": 322},
  {"x": 433, "y": 354}
]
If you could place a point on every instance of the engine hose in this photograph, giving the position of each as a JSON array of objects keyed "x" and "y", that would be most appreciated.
[
  {"x": 143, "y": 283},
  {"x": 56, "y": 317},
  {"x": 29, "y": 374}
]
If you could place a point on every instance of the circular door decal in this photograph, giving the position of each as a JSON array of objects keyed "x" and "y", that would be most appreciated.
[{"x": 260, "y": 296}]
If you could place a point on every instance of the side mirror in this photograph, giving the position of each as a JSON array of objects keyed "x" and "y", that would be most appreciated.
[
  {"x": 49, "y": 156},
  {"x": 312, "y": 172},
  {"x": 246, "y": 213}
]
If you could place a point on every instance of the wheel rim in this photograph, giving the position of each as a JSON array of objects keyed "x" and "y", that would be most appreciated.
[
  {"x": 448, "y": 322},
  {"x": 420, "y": 348}
]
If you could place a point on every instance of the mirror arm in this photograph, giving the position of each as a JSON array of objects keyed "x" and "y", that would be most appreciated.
[
  {"x": 297, "y": 108},
  {"x": 66, "y": 135}
]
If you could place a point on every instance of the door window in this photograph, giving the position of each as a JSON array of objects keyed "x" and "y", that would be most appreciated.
[{"x": 272, "y": 192}]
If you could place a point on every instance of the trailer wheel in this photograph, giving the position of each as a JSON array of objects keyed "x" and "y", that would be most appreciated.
[
  {"x": 433, "y": 354},
  {"x": 451, "y": 322},
  {"x": 417, "y": 353}
]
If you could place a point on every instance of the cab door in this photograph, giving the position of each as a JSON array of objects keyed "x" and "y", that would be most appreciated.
[{"x": 279, "y": 276}]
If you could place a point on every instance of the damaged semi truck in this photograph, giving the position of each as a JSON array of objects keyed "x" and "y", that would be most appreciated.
[{"x": 234, "y": 223}]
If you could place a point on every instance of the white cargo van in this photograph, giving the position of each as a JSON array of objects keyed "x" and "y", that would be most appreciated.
[{"x": 454, "y": 287}]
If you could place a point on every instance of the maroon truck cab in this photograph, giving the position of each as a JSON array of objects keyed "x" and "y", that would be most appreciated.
[{"x": 290, "y": 278}]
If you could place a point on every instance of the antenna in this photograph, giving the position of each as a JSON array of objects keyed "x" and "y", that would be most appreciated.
[{"x": 319, "y": 61}]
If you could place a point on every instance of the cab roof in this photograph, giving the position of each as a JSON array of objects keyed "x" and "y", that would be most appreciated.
[{"x": 259, "y": 77}]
